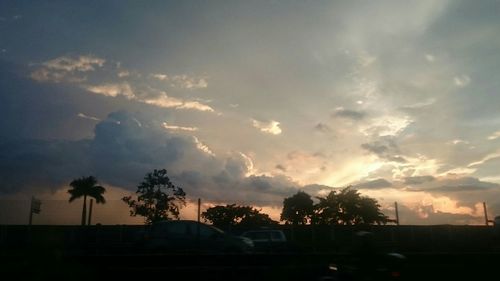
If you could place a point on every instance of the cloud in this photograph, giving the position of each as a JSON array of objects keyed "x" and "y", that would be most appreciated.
[
  {"x": 182, "y": 81},
  {"x": 321, "y": 127},
  {"x": 170, "y": 127},
  {"x": 66, "y": 69},
  {"x": 365, "y": 59},
  {"x": 485, "y": 159},
  {"x": 271, "y": 127},
  {"x": 430, "y": 58},
  {"x": 494, "y": 136},
  {"x": 386, "y": 126},
  {"x": 163, "y": 100},
  {"x": 72, "y": 69},
  {"x": 201, "y": 146},
  {"x": 196, "y": 105},
  {"x": 420, "y": 105},
  {"x": 463, "y": 184},
  {"x": 374, "y": 184},
  {"x": 84, "y": 116},
  {"x": 187, "y": 82},
  {"x": 46, "y": 75},
  {"x": 125, "y": 147},
  {"x": 69, "y": 64},
  {"x": 385, "y": 148},
  {"x": 160, "y": 76},
  {"x": 349, "y": 114},
  {"x": 123, "y": 73},
  {"x": 461, "y": 80},
  {"x": 112, "y": 90},
  {"x": 280, "y": 167},
  {"x": 418, "y": 180},
  {"x": 458, "y": 141}
]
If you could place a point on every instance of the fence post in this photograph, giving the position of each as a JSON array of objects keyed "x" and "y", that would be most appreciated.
[{"x": 485, "y": 214}]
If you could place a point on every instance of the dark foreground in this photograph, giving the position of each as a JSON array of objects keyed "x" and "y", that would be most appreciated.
[
  {"x": 55, "y": 266},
  {"x": 101, "y": 253}
]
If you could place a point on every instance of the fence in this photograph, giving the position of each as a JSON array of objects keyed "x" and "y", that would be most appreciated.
[{"x": 445, "y": 238}]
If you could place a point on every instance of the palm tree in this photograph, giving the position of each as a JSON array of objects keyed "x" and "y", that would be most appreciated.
[{"x": 86, "y": 186}]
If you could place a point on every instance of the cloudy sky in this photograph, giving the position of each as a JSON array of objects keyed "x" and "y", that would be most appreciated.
[{"x": 250, "y": 101}]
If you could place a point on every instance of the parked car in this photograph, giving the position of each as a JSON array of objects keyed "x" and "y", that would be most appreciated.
[
  {"x": 267, "y": 240},
  {"x": 185, "y": 236},
  {"x": 366, "y": 262}
]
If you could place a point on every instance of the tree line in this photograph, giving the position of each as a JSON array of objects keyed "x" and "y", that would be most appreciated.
[{"x": 157, "y": 198}]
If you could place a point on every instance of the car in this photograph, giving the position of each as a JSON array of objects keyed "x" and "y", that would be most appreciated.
[
  {"x": 186, "y": 236},
  {"x": 267, "y": 240}
]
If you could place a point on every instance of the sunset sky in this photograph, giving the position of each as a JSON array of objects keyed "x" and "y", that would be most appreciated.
[{"x": 251, "y": 101}]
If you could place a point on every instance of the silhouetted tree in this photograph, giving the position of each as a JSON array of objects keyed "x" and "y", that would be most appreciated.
[
  {"x": 232, "y": 215},
  {"x": 158, "y": 198},
  {"x": 348, "y": 207},
  {"x": 297, "y": 209},
  {"x": 86, "y": 186}
]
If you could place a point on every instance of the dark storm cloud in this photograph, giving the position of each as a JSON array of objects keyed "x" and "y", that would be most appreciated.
[
  {"x": 41, "y": 164},
  {"x": 29, "y": 110},
  {"x": 124, "y": 149},
  {"x": 385, "y": 148}
]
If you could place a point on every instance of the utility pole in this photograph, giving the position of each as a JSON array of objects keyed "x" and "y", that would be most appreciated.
[
  {"x": 90, "y": 211},
  {"x": 199, "y": 209},
  {"x": 34, "y": 208},
  {"x": 198, "y": 225},
  {"x": 397, "y": 212},
  {"x": 485, "y": 214}
]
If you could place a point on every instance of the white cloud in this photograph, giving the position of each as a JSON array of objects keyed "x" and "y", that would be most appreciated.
[
  {"x": 201, "y": 146},
  {"x": 462, "y": 80},
  {"x": 66, "y": 69},
  {"x": 485, "y": 159},
  {"x": 365, "y": 59},
  {"x": 458, "y": 141},
  {"x": 249, "y": 164},
  {"x": 170, "y": 102},
  {"x": 494, "y": 136},
  {"x": 84, "y": 116},
  {"x": 430, "y": 58},
  {"x": 386, "y": 126},
  {"x": 182, "y": 81},
  {"x": 123, "y": 73},
  {"x": 164, "y": 101},
  {"x": 271, "y": 127},
  {"x": 187, "y": 82},
  {"x": 47, "y": 75},
  {"x": 180, "y": 128},
  {"x": 421, "y": 104},
  {"x": 160, "y": 76},
  {"x": 112, "y": 90},
  {"x": 196, "y": 105}
]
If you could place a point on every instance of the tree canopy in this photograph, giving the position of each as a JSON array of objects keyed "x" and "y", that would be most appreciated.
[
  {"x": 157, "y": 198},
  {"x": 348, "y": 207},
  {"x": 86, "y": 186},
  {"x": 232, "y": 215},
  {"x": 297, "y": 209}
]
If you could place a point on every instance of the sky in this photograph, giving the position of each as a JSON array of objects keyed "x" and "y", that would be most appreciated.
[{"x": 250, "y": 101}]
